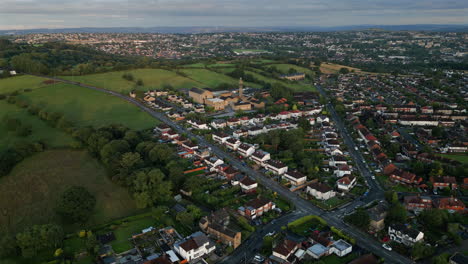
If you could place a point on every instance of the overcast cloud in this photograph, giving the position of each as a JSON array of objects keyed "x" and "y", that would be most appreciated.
[{"x": 26, "y": 14}]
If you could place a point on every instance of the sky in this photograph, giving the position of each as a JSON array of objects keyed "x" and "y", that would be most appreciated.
[{"x": 28, "y": 14}]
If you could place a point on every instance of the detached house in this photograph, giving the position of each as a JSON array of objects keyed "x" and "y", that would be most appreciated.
[
  {"x": 401, "y": 176},
  {"x": 220, "y": 137},
  {"x": 260, "y": 157},
  {"x": 404, "y": 235},
  {"x": 320, "y": 191},
  {"x": 276, "y": 166},
  {"x": 377, "y": 216},
  {"x": 232, "y": 143},
  {"x": 449, "y": 203},
  {"x": 346, "y": 183},
  {"x": 295, "y": 177},
  {"x": 245, "y": 149},
  {"x": 248, "y": 185},
  {"x": 256, "y": 208},
  {"x": 417, "y": 203},
  {"x": 196, "y": 246},
  {"x": 342, "y": 170},
  {"x": 285, "y": 249}
]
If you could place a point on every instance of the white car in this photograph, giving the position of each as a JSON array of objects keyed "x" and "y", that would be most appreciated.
[
  {"x": 387, "y": 247},
  {"x": 373, "y": 177},
  {"x": 272, "y": 233}
]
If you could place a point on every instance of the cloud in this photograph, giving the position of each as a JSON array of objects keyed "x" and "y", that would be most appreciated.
[{"x": 121, "y": 13}]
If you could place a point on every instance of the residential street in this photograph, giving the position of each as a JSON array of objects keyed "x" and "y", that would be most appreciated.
[{"x": 302, "y": 207}]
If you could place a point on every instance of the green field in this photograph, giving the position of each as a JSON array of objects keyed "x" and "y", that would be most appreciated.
[
  {"x": 152, "y": 79},
  {"x": 249, "y": 50},
  {"x": 18, "y": 83},
  {"x": 85, "y": 107},
  {"x": 458, "y": 157},
  {"x": 211, "y": 78},
  {"x": 284, "y": 68},
  {"x": 52, "y": 137},
  {"x": 293, "y": 85},
  {"x": 29, "y": 193}
]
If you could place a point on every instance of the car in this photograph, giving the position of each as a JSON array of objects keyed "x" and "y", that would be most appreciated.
[
  {"x": 387, "y": 247},
  {"x": 272, "y": 233},
  {"x": 259, "y": 258},
  {"x": 373, "y": 177}
]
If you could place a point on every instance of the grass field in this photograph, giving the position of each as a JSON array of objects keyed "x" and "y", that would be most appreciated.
[
  {"x": 152, "y": 79},
  {"x": 40, "y": 130},
  {"x": 29, "y": 193},
  {"x": 212, "y": 79},
  {"x": 332, "y": 68},
  {"x": 458, "y": 157},
  {"x": 284, "y": 68},
  {"x": 18, "y": 83},
  {"x": 88, "y": 107},
  {"x": 293, "y": 85}
]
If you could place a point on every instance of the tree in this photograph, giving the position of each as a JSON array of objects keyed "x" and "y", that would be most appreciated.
[
  {"x": 159, "y": 212},
  {"x": 76, "y": 205},
  {"x": 39, "y": 237},
  {"x": 130, "y": 160},
  {"x": 185, "y": 218},
  {"x": 304, "y": 123},
  {"x": 420, "y": 250},
  {"x": 161, "y": 154},
  {"x": 434, "y": 219},
  {"x": 113, "y": 150},
  {"x": 344, "y": 70},
  {"x": 176, "y": 172},
  {"x": 150, "y": 187},
  {"x": 7, "y": 245},
  {"x": 360, "y": 218},
  {"x": 396, "y": 214},
  {"x": 441, "y": 259}
]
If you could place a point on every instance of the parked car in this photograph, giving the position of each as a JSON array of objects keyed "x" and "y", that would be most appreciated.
[{"x": 387, "y": 247}]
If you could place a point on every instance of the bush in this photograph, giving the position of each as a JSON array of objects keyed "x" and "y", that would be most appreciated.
[{"x": 11, "y": 99}]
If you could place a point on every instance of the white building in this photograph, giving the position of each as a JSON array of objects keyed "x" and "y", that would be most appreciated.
[
  {"x": 404, "y": 235},
  {"x": 276, "y": 166},
  {"x": 295, "y": 177},
  {"x": 320, "y": 191},
  {"x": 346, "y": 183},
  {"x": 194, "y": 247},
  {"x": 245, "y": 149}
]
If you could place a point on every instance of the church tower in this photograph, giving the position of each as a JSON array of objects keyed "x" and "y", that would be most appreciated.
[{"x": 241, "y": 88}]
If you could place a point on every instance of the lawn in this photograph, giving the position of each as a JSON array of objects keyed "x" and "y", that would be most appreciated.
[
  {"x": 29, "y": 193},
  {"x": 330, "y": 203},
  {"x": 40, "y": 130},
  {"x": 18, "y": 83},
  {"x": 88, "y": 107},
  {"x": 332, "y": 68},
  {"x": 334, "y": 259},
  {"x": 458, "y": 157},
  {"x": 152, "y": 79}
]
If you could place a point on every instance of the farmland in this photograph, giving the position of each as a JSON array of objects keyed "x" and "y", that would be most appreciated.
[
  {"x": 152, "y": 79},
  {"x": 211, "y": 79},
  {"x": 19, "y": 83},
  {"x": 40, "y": 130},
  {"x": 28, "y": 194},
  {"x": 86, "y": 107}
]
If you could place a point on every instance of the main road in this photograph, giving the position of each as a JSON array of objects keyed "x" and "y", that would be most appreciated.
[{"x": 302, "y": 207}]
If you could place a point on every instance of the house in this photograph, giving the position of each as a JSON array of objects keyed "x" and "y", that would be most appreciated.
[
  {"x": 402, "y": 234},
  {"x": 440, "y": 182},
  {"x": 317, "y": 251},
  {"x": 346, "y": 183},
  {"x": 218, "y": 123},
  {"x": 232, "y": 143},
  {"x": 337, "y": 160},
  {"x": 256, "y": 208},
  {"x": 248, "y": 185},
  {"x": 227, "y": 171},
  {"x": 449, "y": 203},
  {"x": 260, "y": 157},
  {"x": 220, "y": 137},
  {"x": 377, "y": 216},
  {"x": 401, "y": 176},
  {"x": 417, "y": 202},
  {"x": 213, "y": 162},
  {"x": 285, "y": 249},
  {"x": 170, "y": 134},
  {"x": 295, "y": 177},
  {"x": 276, "y": 166},
  {"x": 342, "y": 170},
  {"x": 162, "y": 128},
  {"x": 198, "y": 125},
  {"x": 341, "y": 248},
  {"x": 245, "y": 149},
  {"x": 194, "y": 247},
  {"x": 217, "y": 225},
  {"x": 320, "y": 191}
]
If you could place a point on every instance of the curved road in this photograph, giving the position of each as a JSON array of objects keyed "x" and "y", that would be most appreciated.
[{"x": 302, "y": 207}]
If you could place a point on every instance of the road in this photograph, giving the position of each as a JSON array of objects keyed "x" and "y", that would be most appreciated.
[{"x": 302, "y": 207}]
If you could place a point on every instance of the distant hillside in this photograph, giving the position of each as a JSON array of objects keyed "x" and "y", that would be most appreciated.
[{"x": 194, "y": 30}]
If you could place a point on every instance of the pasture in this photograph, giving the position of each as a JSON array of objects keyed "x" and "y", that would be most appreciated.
[
  {"x": 85, "y": 107},
  {"x": 29, "y": 193},
  {"x": 19, "y": 83}
]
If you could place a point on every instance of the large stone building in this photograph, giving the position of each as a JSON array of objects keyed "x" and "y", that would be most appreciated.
[
  {"x": 217, "y": 225},
  {"x": 199, "y": 95}
]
